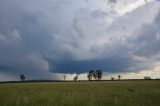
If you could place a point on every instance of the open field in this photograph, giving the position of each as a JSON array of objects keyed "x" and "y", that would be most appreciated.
[{"x": 103, "y": 93}]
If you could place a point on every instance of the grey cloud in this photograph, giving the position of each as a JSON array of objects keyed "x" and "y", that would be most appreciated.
[
  {"x": 98, "y": 13},
  {"x": 148, "y": 39},
  {"x": 113, "y": 1}
]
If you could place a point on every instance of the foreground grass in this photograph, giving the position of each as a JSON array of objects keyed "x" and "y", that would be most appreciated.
[{"x": 109, "y": 93}]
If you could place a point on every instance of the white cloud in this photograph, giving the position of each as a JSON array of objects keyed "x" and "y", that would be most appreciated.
[
  {"x": 127, "y": 6},
  {"x": 153, "y": 73}
]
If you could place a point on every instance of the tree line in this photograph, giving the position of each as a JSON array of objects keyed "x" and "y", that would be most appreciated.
[{"x": 92, "y": 75}]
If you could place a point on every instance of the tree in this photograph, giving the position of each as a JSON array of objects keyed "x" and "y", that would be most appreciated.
[
  {"x": 119, "y": 77},
  {"x": 90, "y": 75},
  {"x": 22, "y": 77},
  {"x": 147, "y": 78},
  {"x": 95, "y": 75},
  {"x": 99, "y": 74},
  {"x": 112, "y": 78},
  {"x": 75, "y": 78}
]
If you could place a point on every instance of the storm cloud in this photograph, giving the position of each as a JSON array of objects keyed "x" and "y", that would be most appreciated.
[{"x": 40, "y": 38}]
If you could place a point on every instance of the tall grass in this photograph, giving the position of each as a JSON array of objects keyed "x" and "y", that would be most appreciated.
[{"x": 109, "y": 93}]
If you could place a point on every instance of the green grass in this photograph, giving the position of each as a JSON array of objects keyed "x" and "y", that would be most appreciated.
[{"x": 107, "y": 93}]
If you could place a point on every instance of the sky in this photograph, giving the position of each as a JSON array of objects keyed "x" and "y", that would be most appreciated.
[{"x": 45, "y": 39}]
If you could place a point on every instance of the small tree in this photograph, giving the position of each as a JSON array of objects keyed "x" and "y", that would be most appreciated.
[
  {"x": 95, "y": 75},
  {"x": 99, "y": 74},
  {"x": 112, "y": 78},
  {"x": 90, "y": 75},
  {"x": 119, "y": 77},
  {"x": 147, "y": 78},
  {"x": 22, "y": 77},
  {"x": 75, "y": 78}
]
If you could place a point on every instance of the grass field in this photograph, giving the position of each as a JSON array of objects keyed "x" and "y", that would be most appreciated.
[{"x": 104, "y": 93}]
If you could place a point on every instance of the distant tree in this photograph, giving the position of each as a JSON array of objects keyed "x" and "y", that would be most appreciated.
[
  {"x": 90, "y": 75},
  {"x": 99, "y": 74},
  {"x": 112, "y": 78},
  {"x": 95, "y": 75},
  {"x": 22, "y": 77},
  {"x": 64, "y": 76},
  {"x": 147, "y": 78},
  {"x": 119, "y": 77},
  {"x": 75, "y": 78}
]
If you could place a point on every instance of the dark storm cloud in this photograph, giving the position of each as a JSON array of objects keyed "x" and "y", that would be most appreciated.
[
  {"x": 2, "y": 67},
  {"x": 21, "y": 52},
  {"x": 111, "y": 64}
]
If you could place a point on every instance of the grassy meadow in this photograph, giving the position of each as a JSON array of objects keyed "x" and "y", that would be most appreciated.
[{"x": 103, "y": 93}]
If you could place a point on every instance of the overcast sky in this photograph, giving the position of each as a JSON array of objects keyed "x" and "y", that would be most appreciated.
[{"x": 46, "y": 38}]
